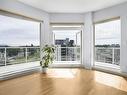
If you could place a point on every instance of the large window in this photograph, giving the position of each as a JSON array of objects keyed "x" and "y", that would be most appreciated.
[
  {"x": 107, "y": 43},
  {"x": 68, "y": 45},
  {"x": 67, "y": 39},
  {"x": 19, "y": 40}
]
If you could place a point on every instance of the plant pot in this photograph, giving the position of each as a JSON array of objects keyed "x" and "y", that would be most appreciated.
[{"x": 44, "y": 70}]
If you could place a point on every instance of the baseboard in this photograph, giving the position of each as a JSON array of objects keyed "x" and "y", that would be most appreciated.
[
  {"x": 110, "y": 71},
  {"x": 11, "y": 75},
  {"x": 65, "y": 66}
]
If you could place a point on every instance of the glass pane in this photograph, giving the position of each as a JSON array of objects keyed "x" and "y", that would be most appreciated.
[
  {"x": 16, "y": 35},
  {"x": 67, "y": 54},
  {"x": 2, "y": 57},
  {"x": 104, "y": 55},
  {"x": 117, "y": 56},
  {"x": 68, "y": 45},
  {"x": 18, "y": 32},
  {"x": 78, "y": 45},
  {"x": 107, "y": 43},
  {"x": 33, "y": 54},
  {"x": 15, "y": 56},
  {"x": 78, "y": 53}
]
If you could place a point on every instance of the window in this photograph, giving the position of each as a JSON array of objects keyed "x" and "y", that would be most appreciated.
[
  {"x": 107, "y": 43},
  {"x": 67, "y": 38},
  {"x": 68, "y": 45},
  {"x": 19, "y": 40}
]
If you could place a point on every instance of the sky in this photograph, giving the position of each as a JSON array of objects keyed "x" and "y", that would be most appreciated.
[
  {"x": 18, "y": 32},
  {"x": 71, "y": 34},
  {"x": 108, "y": 33}
]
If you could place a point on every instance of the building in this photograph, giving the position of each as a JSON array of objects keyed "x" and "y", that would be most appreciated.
[{"x": 65, "y": 52}]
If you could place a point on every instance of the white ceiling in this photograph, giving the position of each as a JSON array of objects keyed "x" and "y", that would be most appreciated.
[{"x": 71, "y": 6}]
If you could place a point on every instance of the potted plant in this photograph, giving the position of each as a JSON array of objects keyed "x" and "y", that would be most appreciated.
[{"x": 48, "y": 56}]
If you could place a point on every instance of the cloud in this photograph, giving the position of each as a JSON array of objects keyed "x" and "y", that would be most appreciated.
[
  {"x": 18, "y": 32},
  {"x": 108, "y": 33}
]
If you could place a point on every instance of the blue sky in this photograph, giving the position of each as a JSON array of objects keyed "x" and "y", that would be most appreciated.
[{"x": 17, "y": 32}]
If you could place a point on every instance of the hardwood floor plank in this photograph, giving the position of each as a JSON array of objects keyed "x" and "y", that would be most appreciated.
[{"x": 66, "y": 82}]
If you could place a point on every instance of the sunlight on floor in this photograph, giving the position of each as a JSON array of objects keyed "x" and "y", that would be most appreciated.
[
  {"x": 62, "y": 73},
  {"x": 110, "y": 80}
]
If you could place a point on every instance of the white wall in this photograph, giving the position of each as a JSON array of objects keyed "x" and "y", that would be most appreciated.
[
  {"x": 115, "y": 11},
  {"x": 66, "y": 18},
  {"x": 25, "y": 10}
]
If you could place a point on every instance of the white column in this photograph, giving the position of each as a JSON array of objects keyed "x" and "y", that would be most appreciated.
[
  {"x": 87, "y": 41},
  {"x": 123, "y": 50}
]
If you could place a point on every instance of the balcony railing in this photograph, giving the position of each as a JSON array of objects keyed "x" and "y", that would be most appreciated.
[
  {"x": 17, "y": 55},
  {"x": 67, "y": 54},
  {"x": 107, "y": 55}
]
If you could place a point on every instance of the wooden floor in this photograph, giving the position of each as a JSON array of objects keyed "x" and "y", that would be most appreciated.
[{"x": 65, "y": 82}]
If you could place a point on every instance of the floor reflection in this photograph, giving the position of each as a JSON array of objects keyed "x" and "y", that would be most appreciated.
[
  {"x": 111, "y": 80},
  {"x": 61, "y": 73}
]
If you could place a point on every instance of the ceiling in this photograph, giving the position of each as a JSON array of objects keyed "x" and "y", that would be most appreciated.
[{"x": 71, "y": 6}]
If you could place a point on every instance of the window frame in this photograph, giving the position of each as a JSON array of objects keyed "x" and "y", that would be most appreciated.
[{"x": 99, "y": 22}]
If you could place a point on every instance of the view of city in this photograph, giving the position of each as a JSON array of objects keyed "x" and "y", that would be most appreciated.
[
  {"x": 108, "y": 54},
  {"x": 67, "y": 51},
  {"x": 68, "y": 47},
  {"x": 19, "y": 41},
  {"x": 16, "y": 55},
  {"x": 107, "y": 42}
]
